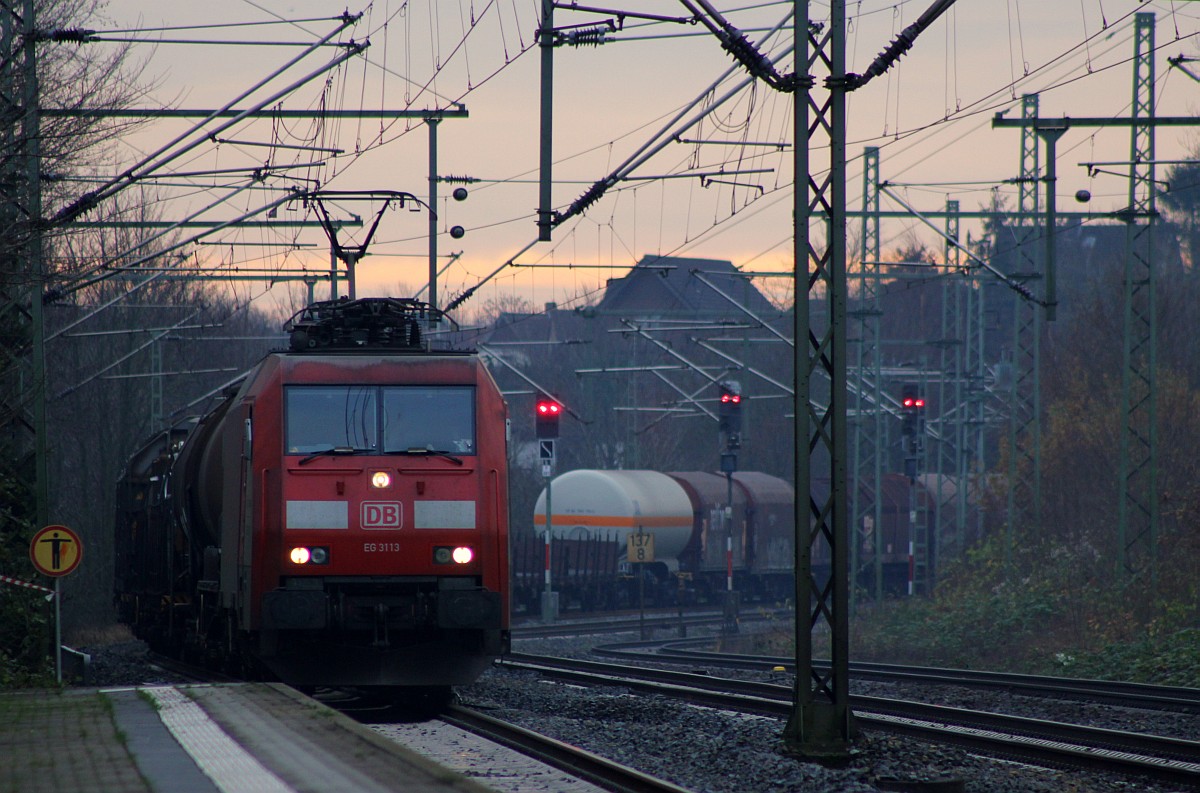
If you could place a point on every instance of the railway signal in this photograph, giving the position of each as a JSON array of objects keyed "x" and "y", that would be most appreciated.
[
  {"x": 912, "y": 411},
  {"x": 729, "y": 408},
  {"x": 546, "y": 415},
  {"x": 729, "y": 421},
  {"x": 729, "y": 414}
]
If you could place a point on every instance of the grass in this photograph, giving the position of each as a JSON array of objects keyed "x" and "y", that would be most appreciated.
[
  {"x": 1021, "y": 635},
  {"x": 147, "y": 697}
]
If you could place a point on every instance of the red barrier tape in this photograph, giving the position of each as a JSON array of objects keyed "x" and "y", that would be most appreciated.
[{"x": 18, "y": 582}]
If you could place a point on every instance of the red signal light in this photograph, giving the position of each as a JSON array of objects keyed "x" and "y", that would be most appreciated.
[
  {"x": 546, "y": 415},
  {"x": 731, "y": 398}
]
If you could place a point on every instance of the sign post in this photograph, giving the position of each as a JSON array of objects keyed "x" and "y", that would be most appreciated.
[
  {"x": 56, "y": 551},
  {"x": 639, "y": 549},
  {"x": 549, "y": 597}
]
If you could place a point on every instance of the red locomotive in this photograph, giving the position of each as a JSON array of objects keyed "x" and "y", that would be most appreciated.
[{"x": 339, "y": 518}]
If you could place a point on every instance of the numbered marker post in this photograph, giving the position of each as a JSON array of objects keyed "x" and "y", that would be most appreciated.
[
  {"x": 639, "y": 550},
  {"x": 640, "y": 547}
]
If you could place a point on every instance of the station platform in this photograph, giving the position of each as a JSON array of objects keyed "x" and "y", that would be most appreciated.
[{"x": 229, "y": 738}]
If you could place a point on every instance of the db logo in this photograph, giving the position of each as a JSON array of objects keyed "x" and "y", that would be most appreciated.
[{"x": 381, "y": 515}]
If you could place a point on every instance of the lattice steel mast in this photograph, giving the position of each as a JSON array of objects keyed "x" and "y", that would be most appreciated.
[
  {"x": 870, "y": 441},
  {"x": 1023, "y": 507},
  {"x": 821, "y": 723},
  {"x": 945, "y": 451},
  {"x": 1138, "y": 513},
  {"x": 22, "y": 366}
]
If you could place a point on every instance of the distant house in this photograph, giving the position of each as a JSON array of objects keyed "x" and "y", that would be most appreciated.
[
  {"x": 638, "y": 369},
  {"x": 674, "y": 287},
  {"x": 657, "y": 287},
  {"x": 524, "y": 337}
]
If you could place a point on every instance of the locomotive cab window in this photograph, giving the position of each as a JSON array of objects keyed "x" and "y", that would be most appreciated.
[
  {"x": 430, "y": 418},
  {"x": 320, "y": 418},
  {"x": 407, "y": 419}
]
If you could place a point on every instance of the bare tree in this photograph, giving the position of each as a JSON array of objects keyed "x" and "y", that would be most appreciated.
[{"x": 41, "y": 158}]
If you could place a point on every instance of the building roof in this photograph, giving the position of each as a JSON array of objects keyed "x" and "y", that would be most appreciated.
[{"x": 662, "y": 286}]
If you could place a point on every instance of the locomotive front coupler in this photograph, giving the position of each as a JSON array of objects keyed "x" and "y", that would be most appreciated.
[{"x": 381, "y": 626}]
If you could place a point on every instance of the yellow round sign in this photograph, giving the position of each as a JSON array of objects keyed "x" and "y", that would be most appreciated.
[{"x": 55, "y": 550}]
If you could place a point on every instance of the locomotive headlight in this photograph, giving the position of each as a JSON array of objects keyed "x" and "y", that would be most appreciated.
[
  {"x": 380, "y": 479},
  {"x": 444, "y": 554},
  {"x": 311, "y": 555}
]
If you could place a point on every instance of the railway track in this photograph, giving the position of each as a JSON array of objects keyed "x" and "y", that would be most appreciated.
[
  {"x": 1137, "y": 695},
  {"x": 571, "y": 759},
  {"x": 190, "y": 673},
  {"x": 656, "y": 620},
  {"x": 379, "y": 712},
  {"x": 1170, "y": 760}
]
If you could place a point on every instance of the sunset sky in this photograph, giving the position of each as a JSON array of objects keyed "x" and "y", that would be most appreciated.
[{"x": 931, "y": 116}]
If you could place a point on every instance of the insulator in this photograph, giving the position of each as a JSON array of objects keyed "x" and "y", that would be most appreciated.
[
  {"x": 588, "y": 37},
  {"x": 69, "y": 35}
]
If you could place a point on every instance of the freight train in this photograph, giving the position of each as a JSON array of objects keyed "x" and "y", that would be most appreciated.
[
  {"x": 338, "y": 518},
  {"x": 707, "y": 529}
]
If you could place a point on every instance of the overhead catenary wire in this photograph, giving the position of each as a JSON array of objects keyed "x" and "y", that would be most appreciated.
[
  {"x": 664, "y": 136},
  {"x": 1032, "y": 73},
  {"x": 899, "y": 46},
  {"x": 69, "y": 286},
  {"x": 708, "y": 232},
  {"x": 150, "y": 164},
  {"x": 655, "y": 144},
  {"x": 733, "y": 220},
  {"x": 103, "y": 276},
  {"x": 1011, "y": 283}
]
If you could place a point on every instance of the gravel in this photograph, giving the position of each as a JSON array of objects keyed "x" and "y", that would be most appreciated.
[
  {"x": 708, "y": 750},
  {"x": 125, "y": 663},
  {"x": 711, "y": 751}
]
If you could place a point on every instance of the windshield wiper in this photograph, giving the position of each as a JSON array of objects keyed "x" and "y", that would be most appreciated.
[
  {"x": 417, "y": 451},
  {"x": 336, "y": 451}
]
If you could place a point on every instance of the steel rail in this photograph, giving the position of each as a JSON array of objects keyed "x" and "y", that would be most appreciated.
[
  {"x": 586, "y": 765},
  {"x": 1168, "y": 759},
  {"x": 654, "y": 619},
  {"x": 1142, "y": 695}
]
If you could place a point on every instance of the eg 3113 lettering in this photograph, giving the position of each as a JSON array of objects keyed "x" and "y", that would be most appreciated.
[{"x": 377, "y": 547}]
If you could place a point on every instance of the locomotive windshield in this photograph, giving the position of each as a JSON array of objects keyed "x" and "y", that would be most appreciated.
[
  {"x": 328, "y": 417},
  {"x": 429, "y": 417},
  {"x": 380, "y": 419}
]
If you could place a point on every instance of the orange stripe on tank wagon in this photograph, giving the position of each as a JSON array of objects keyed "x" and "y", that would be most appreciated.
[{"x": 646, "y": 521}]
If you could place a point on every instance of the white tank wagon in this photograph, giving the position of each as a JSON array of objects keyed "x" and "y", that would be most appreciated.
[
  {"x": 613, "y": 504},
  {"x": 595, "y": 511}
]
